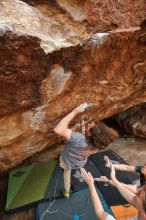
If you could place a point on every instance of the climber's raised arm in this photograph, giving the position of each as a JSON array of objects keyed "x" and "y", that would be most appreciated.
[{"x": 62, "y": 128}]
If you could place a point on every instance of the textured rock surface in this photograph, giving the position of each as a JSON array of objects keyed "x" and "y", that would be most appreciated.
[
  {"x": 75, "y": 8},
  {"x": 20, "y": 72},
  {"x": 106, "y": 15},
  {"x": 102, "y": 15},
  {"x": 133, "y": 121},
  {"x": 53, "y": 30},
  {"x": 38, "y": 88}
]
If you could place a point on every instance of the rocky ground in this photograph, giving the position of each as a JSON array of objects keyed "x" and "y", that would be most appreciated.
[{"x": 131, "y": 149}]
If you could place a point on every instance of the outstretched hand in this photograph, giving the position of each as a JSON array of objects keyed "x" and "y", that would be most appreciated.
[
  {"x": 107, "y": 161},
  {"x": 81, "y": 108},
  {"x": 87, "y": 177},
  {"x": 110, "y": 165},
  {"x": 103, "y": 179}
]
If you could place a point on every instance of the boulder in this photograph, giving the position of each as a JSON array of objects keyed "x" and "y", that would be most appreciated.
[
  {"x": 133, "y": 121},
  {"x": 51, "y": 62}
]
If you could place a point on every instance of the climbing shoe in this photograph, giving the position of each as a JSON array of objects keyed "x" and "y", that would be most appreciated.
[{"x": 66, "y": 194}]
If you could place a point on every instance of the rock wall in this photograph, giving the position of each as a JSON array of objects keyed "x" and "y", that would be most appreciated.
[
  {"x": 53, "y": 56},
  {"x": 133, "y": 121}
]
